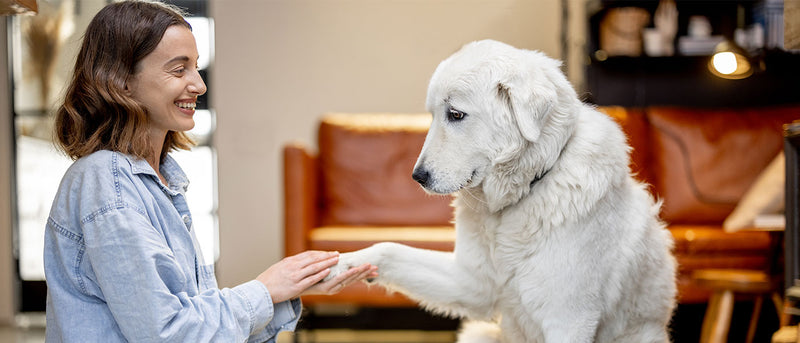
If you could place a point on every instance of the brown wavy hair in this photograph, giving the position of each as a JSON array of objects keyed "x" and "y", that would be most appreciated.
[{"x": 97, "y": 114}]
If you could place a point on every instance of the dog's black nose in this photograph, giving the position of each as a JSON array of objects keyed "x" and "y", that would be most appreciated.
[{"x": 421, "y": 175}]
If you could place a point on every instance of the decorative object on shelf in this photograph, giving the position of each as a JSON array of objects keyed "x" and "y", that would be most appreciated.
[
  {"x": 730, "y": 61},
  {"x": 699, "y": 41},
  {"x": 750, "y": 38},
  {"x": 12, "y": 7},
  {"x": 769, "y": 13},
  {"x": 621, "y": 31},
  {"x": 699, "y": 26},
  {"x": 659, "y": 41}
]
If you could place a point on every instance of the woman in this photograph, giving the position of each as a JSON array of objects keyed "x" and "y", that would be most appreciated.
[{"x": 121, "y": 258}]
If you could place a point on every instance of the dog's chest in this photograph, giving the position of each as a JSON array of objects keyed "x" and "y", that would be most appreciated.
[{"x": 496, "y": 246}]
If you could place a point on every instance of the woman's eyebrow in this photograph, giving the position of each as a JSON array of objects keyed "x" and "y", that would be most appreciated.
[{"x": 178, "y": 59}]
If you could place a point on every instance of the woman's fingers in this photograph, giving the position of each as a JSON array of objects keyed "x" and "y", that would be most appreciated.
[
  {"x": 354, "y": 274},
  {"x": 309, "y": 263},
  {"x": 294, "y": 274},
  {"x": 341, "y": 281},
  {"x": 319, "y": 265},
  {"x": 360, "y": 273},
  {"x": 311, "y": 257},
  {"x": 314, "y": 279}
]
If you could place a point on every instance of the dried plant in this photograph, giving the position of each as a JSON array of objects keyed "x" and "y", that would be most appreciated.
[{"x": 43, "y": 35}]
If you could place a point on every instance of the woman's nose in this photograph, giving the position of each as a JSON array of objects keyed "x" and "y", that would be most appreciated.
[{"x": 197, "y": 85}]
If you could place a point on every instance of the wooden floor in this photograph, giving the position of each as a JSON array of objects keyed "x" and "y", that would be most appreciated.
[
  {"x": 30, "y": 328},
  {"x": 376, "y": 336},
  {"x": 409, "y": 326}
]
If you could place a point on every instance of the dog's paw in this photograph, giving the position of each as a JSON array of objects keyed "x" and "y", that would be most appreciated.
[
  {"x": 372, "y": 255},
  {"x": 346, "y": 261}
]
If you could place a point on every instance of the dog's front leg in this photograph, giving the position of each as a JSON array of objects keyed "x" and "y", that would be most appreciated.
[{"x": 431, "y": 277}]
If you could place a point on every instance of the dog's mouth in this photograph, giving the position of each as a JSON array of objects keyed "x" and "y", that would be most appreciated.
[
  {"x": 469, "y": 181},
  {"x": 465, "y": 184}
]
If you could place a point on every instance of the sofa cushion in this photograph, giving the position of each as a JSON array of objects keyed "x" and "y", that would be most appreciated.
[
  {"x": 705, "y": 159},
  {"x": 709, "y": 240},
  {"x": 350, "y": 238},
  {"x": 366, "y": 162}
]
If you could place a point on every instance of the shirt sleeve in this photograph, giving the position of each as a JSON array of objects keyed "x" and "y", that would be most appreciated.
[
  {"x": 285, "y": 318},
  {"x": 142, "y": 281}
]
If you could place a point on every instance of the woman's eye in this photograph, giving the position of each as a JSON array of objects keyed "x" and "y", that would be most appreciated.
[{"x": 454, "y": 114}]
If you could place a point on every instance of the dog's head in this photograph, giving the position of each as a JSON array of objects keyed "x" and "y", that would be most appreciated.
[{"x": 491, "y": 103}]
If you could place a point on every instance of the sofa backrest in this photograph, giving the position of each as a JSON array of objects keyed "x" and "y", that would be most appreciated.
[
  {"x": 702, "y": 161},
  {"x": 367, "y": 161}
]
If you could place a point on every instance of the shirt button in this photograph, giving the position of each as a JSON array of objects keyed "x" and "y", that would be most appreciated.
[{"x": 186, "y": 218}]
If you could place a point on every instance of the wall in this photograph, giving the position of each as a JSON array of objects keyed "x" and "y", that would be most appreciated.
[
  {"x": 7, "y": 270},
  {"x": 280, "y": 64}
]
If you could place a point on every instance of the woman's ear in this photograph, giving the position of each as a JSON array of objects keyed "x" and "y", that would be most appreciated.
[{"x": 127, "y": 89}]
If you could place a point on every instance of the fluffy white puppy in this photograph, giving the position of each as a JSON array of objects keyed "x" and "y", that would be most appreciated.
[{"x": 555, "y": 241}]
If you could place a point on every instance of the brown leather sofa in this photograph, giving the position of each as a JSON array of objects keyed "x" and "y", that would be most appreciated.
[{"x": 356, "y": 189}]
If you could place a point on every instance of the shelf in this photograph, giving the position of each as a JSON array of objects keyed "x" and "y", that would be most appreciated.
[{"x": 686, "y": 81}]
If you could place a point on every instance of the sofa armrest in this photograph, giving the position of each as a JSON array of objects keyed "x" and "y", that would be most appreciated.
[{"x": 300, "y": 191}]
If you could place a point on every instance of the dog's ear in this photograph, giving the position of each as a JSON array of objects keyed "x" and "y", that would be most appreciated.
[{"x": 528, "y": 101}]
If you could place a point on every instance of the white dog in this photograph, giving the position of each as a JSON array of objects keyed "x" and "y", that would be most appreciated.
[{"x": 555, "y": 241}]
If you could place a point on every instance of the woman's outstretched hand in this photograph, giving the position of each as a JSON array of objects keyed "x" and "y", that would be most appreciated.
[
  {"x": 341, "y": 281},
  {"x": 302, "y": 273}
]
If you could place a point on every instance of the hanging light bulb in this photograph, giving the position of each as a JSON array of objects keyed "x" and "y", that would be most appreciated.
[
  {"x": 725, "y": 62},
  {"x": 729, "y": 60}
]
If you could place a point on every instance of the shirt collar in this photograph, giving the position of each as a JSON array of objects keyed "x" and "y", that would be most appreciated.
[{"x": 176, "y": 178}]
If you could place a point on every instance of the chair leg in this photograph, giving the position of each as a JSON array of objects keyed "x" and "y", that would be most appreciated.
[
  {"x": 751, "y": 331},
  {"x": 781, "y": 306},
  {"x": 716, "y": 322}
]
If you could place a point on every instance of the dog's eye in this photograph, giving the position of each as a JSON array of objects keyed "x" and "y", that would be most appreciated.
[{"x": 455, "y": 115}]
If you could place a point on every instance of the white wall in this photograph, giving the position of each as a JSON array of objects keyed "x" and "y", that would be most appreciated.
[{"x": 280, "y": 64}]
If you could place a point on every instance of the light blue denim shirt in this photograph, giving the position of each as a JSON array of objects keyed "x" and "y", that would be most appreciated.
[{"x": 122, "y": 264}]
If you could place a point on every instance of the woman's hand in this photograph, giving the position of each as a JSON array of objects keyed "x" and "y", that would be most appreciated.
[
  {"x": 302, "y": 273},
  {"x": 341, "y": 281},
  {"x": 294, "y": 274}
]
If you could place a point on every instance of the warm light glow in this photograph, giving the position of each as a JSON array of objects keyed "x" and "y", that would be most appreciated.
[
  {"x": 730, "y": 62},
  {"x": 725, "y": 62}
]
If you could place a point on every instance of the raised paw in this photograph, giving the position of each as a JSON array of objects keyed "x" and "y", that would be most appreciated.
[{"x": 346, "y": 261}]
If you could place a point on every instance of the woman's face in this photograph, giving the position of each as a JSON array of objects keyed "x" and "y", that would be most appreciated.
[{"x": 167, "y": 82}]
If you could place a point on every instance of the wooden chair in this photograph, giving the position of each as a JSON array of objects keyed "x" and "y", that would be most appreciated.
[{"x": 725, "y": 284}]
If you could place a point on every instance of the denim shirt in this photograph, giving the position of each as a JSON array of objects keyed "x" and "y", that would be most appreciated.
[{"x": 122, "y": 264}]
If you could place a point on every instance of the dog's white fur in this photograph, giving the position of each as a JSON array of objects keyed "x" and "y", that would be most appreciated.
[{"x": 555, "y": 241}]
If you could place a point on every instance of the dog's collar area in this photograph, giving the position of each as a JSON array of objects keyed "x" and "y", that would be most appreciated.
[{"x": 539, "y": 177}]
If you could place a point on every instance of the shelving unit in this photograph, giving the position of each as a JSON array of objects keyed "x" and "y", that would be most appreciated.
[{"x": 685, "y": 80}]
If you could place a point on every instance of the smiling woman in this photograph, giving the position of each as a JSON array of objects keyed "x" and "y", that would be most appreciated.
[
  {"x": 39, "y": 166},
  {"x": 121, "y": 210}
]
